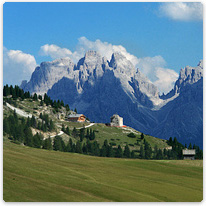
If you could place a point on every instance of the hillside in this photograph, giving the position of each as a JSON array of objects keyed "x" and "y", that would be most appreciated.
[
  {"x": 44, "y": 176},
  {"x": 114, "y": 135}
]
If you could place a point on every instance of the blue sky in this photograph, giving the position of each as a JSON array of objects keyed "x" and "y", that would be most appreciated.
[{"x": 145, "y": 30}]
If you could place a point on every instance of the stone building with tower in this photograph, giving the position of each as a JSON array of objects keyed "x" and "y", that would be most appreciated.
[{"x": 116, "y": 121}]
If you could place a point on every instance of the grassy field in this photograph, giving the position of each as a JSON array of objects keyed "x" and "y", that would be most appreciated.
[
  {"x": 39, "y": 175},
  {"x": 119, "y": 136}
]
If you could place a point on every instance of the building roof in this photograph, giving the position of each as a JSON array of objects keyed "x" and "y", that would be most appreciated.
[
  {"x": 188, "y": 151},
  {"x": 75, "y": 115},
  {"x": 115, "y": 116}
]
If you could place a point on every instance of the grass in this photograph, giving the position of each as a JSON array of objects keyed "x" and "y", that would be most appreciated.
[
  {"x": 31, "y": 174},
  {"x": 119, "y": 136}
]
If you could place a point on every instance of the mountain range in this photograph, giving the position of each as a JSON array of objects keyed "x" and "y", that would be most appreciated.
[{"x": 99, "y": 88}]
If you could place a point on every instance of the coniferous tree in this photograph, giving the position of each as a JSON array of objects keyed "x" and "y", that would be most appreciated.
[
  {"x": 67, "y": 107},
  {"x": 155, "y": 152},
  {"x": 59, "y": 144},
  {"x": 164, "y": 154},
  {"x": 110, "y": 152},
  {"x": 74, "y": 132},
  {"x": 148, "y": 150},
  {"x": 159, "y": 154},
  {"x": 84, "y": 149},
  {"x": 142, "y": 154},
  {"x": 63, "y": 128},
  {"x": 78, "y": 147},
  {"x": 82, "y": 131},
  {"x": 103, "y": 151},
  {"x": 67, "y": 131},
  {"x": 87, "y": 135},
  {"x": 37, "y": 140},
  {"x": 119, "y": 153},
  {"x": 28, "y": 137},
  {"x": 35, "y": 98},
  {"x": 132, "y": 154},
  {"x": 47, "y": 144},
  {"x": 127, "y": 152}
]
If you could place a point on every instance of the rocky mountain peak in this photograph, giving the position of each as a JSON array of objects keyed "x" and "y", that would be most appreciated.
[
  {"x": 200, "y": 64},
  {"x": 121, "y": 64},
  {"x": 189, "y": 75}
]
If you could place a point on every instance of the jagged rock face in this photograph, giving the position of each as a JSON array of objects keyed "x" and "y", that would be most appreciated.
[
  {"x": 99, "y": 88},
  {"x": 47, "y": 74},
  {"x": 189, "y": 75}
]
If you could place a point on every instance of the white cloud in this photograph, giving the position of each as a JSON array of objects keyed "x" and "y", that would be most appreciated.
[
  {"x": 182, "y": 11},
  {"x": 148, "y": 66},
  {"x": 104, "y": 48},
  {"x": 165, "y": 79},
  {"x": 17, "y": 66},
  {"x": 54, "y": 51},
  {"x": 152, "y": 67}
]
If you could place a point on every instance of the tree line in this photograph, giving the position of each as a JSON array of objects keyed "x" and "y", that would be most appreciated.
[{"x": 17, "y": 92}]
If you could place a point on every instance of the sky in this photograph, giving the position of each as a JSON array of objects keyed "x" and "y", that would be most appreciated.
[{"x": 158, "y": 38}]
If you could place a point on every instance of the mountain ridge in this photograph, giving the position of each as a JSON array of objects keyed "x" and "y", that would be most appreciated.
[{"x": 98, "y": 88}]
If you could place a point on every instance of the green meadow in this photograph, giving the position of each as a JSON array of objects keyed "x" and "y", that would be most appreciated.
[{"x": 39, "y": 175}]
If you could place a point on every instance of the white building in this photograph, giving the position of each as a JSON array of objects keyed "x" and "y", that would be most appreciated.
[{"x": 116, "y": 121}]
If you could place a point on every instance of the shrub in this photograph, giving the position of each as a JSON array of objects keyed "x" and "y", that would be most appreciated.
[
  {"x": 112, "y": 143},
  {"x": 132, "y": 135}
]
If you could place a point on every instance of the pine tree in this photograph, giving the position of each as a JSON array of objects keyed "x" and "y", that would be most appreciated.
[
  {"x": 35, "y": 98},
  {"x": 47, "y": 144},
  {"x": 155, "y": 152},
  {"x": 78, "y": 147},
  {"x": 74, "y": 132},
  {"x": 63, "y": 128},
  {"x": 59, "y": 144},
  {"x": 132, "y": 154},
  {"x": 67, "y": 107},
  {"x": 84, "y": 149},
  {"x": 127, "y": 152},
  {"x": 67, "y": 131},
  {"x": 110, "y": 152},
  {"x": 119, "y": 153},
  {"x": 159, "y": 154},
  {"x": 28, "y": 137},
  {"x": 148, "y": 150},
  {"x": 142, "y": 154}
]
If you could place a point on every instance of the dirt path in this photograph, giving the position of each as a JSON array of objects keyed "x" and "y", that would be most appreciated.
[
  {"x": 60, "y": 133},
  {"x": 86, "y": 126}
]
